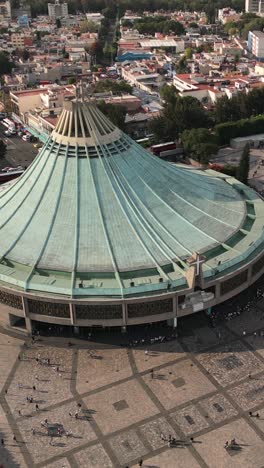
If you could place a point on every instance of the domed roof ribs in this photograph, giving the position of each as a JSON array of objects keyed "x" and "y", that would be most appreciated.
[
  {"x": 94, "y": 136},
  {"x": 185, "y": 219},
  {"x": 140, "y": 218},
  {"x": 121, "y": 189},
  {"x": 33, "y": 212},
  {"x": 155, "y": 219},
  {"x": 42, "y": 250},
  {"x": 77, "y": 220}
]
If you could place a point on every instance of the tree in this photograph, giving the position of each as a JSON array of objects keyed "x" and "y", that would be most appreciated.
[
  {"x": 25, "y": 55},
  {"x": 71, "y": 80},
  {"x": 114, "y": 112},
  {"x": 2, "y": 149},
  {"x": 114, "y": 86},
  {"x": 88, "y": 26},
  {"x": 188, "y": 53},
  {"x": 182, "y": 66},
  {"x": 168, "y": 93},
  {"x": 193, "y": 25},
  {"x": 243, "y": 168},
  {"x": 5, "y": 64},
  {"x": 199, "y": 143}
]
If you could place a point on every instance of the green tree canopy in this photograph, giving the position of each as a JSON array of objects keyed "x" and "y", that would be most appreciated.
[
  {"x": 115, "y": 113},
  {"x": 2, "y": 149},
  {"x": 199, "y": 143},
  {"x": 5, "y": 64},
  {"x": 243, "y": 168},
  {"x": 111, "y": 85}
]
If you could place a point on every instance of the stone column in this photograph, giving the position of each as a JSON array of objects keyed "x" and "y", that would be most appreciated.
[
  {"x": 26, "y": 314},
  {"x": 173, "y": 322},
  {"x": 124, "y": 311},
  {"x": 72, "y": 314}
]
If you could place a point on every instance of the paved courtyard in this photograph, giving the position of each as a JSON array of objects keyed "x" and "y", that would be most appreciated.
[{"x": 113, "y": 410}]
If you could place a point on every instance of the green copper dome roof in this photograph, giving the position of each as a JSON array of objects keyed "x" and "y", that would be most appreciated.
[{"x": 96, "y": 212}]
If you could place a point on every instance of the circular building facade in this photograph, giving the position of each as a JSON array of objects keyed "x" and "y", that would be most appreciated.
[{"x": 98, "y": 231}]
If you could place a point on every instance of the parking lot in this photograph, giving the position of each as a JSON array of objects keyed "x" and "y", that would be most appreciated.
[{"x": 19, "y": 152}]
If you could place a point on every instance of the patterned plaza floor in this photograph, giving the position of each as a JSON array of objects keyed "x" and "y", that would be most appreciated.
[{"x": 113, "y": 411}]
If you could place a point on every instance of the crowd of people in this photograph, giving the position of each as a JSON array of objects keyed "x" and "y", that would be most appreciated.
[{"x": 239, "y": 305}]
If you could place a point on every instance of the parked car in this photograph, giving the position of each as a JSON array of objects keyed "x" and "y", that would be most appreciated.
[
  {"x": 8, "y": 133},
  {"x": 26, "y": 137}
]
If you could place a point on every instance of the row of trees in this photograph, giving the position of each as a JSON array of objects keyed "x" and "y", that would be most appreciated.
[
  {"x": 210, "y": 7},
  {"x": 160, "y": 24},
  {"x": 117, "y": 87},
  {"x": 180, "y": 113},
  {"x": 248, "y": 22},
  {"x": 239, "y": 106}
]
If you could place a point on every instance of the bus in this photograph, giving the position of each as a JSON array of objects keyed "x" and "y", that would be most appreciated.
[
  {"x": 157, "y": 149},
  {"x": 9, "y": 123}
]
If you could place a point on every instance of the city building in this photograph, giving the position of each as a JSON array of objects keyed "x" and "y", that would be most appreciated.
[
  {"x": 23, "y": 21},
  {"x": 254, "y": 6},
  {"x": 95, "y": 17},
  {"x": 226, "y": 15},
  {"x": 256, "y": 44},
  {"x": 99, "y": 232},
  {"x": 57, "y": 9},
  {"x": 5, "y": 9},
  {"x": 21, "y": 40}
]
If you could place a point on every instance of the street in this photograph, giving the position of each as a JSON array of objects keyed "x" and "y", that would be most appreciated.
[{"x": 19, "y": 152}]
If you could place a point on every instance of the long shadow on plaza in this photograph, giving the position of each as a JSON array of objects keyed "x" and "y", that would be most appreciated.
[{"x": 6, "y": 457}]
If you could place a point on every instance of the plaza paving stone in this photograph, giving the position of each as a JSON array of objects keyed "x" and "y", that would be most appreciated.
[
  {"x": 178, "y": 383},
  {"x": 50, "y": 384},
  {"x": 128, "y": 446},
  {"x": 259, "y": 422},
  {"x": 41, "y": 446},
  {"x": 230, "y": 363},
  {"x": 257, "y": 342},
  {"x": 200, "y": 388},
  {"x": 9, "y": 351},
  {"x": 190, "y": 420},
  {"x": 172, "y": 458},
  {"x": 93, "y": 457},
  {"x": 153, "y": 431},
  {"x": 157, "y": 354},
  {"x": 109, "y": 418},
  {"x": 61, "y": 463},
  {"x": 11, "y": 455},
  {"x": 248, "y": 394},
  {"x": 250, "y": 454},
  {"x": 97, "y": 368},
  {"x": 204, "y": 337},
  {"x": 218, "y": 407}
]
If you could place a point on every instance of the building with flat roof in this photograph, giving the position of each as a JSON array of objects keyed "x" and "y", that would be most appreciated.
[
  {"x": 57, "y": 9},
  {"x": 256, "y": 44},
  {"x": 254, "y": 6},
  {"x": 99, "y": 232}
]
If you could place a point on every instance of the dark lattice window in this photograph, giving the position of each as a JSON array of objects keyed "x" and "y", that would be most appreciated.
[
  {"x": 49, "y": 308},
  {"x": 233, "y": 283},
  {"x": 11, "y": 300},
  {"x": 141, "y": 309},
  {"x": 99, "y": 312},
  {"x": 258, "y": 265},
  {"x": 210, "y": 289}
]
